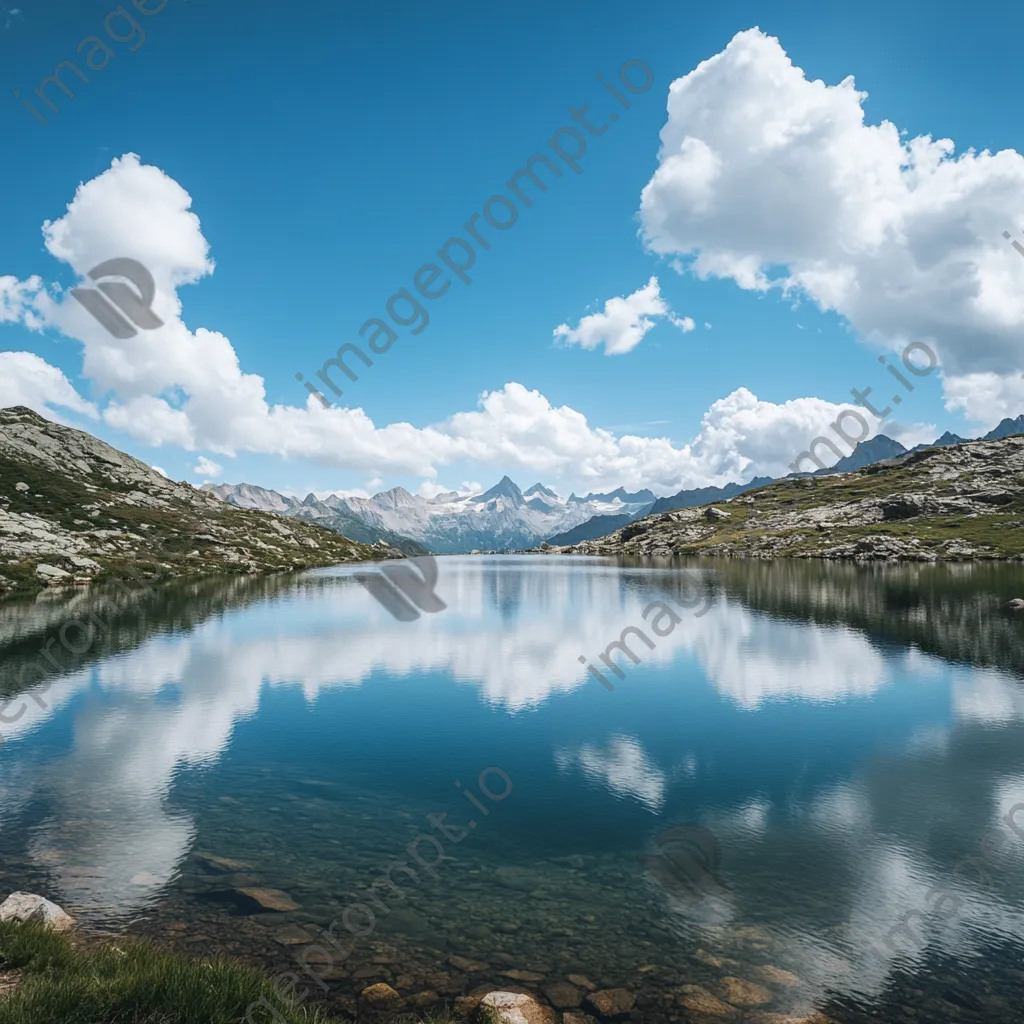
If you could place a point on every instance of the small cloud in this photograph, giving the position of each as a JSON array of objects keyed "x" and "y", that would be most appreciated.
[
  {"x": 684, "y": 323},
  {"x": 163, "y": 472},
  {"x": 374, "y": 485},
  {"x": 623, "y": 323},
  {"x": 8, "y": 16},
  {"x": 207, "y": 467},
  {"x": 431, "y": 489},
  {"x": 707, "y": 326}
]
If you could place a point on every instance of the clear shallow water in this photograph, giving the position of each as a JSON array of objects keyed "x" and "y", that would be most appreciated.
[{"x": 846, "y": 736}]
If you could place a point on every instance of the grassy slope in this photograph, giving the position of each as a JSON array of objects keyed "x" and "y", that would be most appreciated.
[
  {"x": 781, "y": 519},
  {"x": 170, "y": 532}
]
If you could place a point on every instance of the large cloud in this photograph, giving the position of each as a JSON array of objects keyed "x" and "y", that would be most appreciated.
[
  {"x": 776, "y": 181},
  {"x": 185, "y": 387}
]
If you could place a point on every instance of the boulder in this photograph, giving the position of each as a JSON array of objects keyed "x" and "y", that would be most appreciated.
[
  {"x": 1015, "y": 604},
  {"x": 24, "y": 906},
  {"x": 514, "y": 1008},
  {"x": 51, "y": 572},
  {"x": 716, "y": 514},
  {"x": 902, "y": 506}
]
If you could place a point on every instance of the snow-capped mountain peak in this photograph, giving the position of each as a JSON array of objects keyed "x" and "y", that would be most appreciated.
[{"x": 449, "y": 523}]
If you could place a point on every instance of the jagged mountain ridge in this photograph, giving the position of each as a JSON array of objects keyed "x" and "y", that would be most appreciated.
[{"x": 501, "y": 518}]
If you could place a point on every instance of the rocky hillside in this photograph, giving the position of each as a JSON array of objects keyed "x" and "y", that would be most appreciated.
[
  {"x": 961, "y": 502},
  {"x": 74, "y": 510}
]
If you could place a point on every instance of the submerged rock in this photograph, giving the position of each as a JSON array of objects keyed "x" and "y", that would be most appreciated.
[
  {"x": 26, "y": 907},
  {"x": 698, "y": 1001},
  {"x": 744, "y": 993},
  {"x": 268, "y": 899},
  {"x": 777, "y": 976},
  {"x": 224, "y": 864},
  {"x": 612, "y": 1002},
  {"x": 517, "y": 975},
  {"x": 562, "y": 995},
  {"x": 382, "y": 997}
]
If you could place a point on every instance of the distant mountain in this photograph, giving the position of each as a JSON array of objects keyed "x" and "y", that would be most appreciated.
[
  {"x": 619, "y": 494},
  {"x": 504, "y": 488},
  {"x": 501, "y": 518},
  {"x": 540, "y": 489},
  {"x": 332, "y": 513},
  {"x": 702, "y": 495},
  {"x": 1006, "y": 428},
  {"x": 867, "y": 453},
  {"x": 75, "y": 510},
  {"x": 592, "y": 529}
]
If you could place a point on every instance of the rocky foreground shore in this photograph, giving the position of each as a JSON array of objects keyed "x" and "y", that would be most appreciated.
[
  {"x": 573, "y": 999},
  {"x": 958, "y": 503}
]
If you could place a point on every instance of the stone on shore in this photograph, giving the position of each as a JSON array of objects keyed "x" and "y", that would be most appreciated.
[
  {"x": 26, "y": 907},
  {"x": 514, "y": 1008}
]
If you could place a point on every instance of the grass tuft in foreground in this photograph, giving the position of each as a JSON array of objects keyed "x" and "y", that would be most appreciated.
[{"x": 122, "y": 982}]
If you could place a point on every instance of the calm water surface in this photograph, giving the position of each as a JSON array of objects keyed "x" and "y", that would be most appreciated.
[{"x": 765, "y": 796}]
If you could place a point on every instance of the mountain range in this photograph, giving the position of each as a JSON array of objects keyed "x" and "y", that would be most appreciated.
[
  {"x": 501, "y": 518},
  {"x": 506, "y": 518}
]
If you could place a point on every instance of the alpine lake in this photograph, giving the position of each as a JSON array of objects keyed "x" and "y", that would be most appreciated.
[{"x": 801, "y": 791}]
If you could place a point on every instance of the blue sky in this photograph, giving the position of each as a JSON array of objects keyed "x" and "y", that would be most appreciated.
[{"x": 328, "y": 155}]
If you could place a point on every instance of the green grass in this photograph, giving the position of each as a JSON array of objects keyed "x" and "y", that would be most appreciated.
[{"x": 123, "y": 982}]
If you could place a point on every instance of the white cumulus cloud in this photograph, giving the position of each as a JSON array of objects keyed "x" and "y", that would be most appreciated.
[
  {"x": 623, "y": 323},
  {"x": 776, "y": 182},
  {"x": 208, "y": 468},
  {"x": 185, "y": 386}
]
